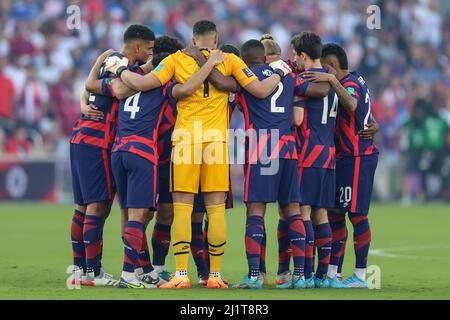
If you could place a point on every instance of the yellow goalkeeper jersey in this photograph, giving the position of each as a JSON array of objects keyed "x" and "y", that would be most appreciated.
[{"x": 207, "y": 108}]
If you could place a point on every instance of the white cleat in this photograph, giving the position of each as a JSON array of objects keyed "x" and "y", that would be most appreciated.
[{"x": 102, "y": 280}]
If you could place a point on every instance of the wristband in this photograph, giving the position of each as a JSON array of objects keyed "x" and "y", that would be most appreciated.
[
  {"x": 279, "y": 72},
  {"x": 120, "y": 70}
]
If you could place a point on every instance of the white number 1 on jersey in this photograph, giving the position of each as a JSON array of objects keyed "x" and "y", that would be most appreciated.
[
  {"x": 333, "y": 111},
  {"x": 131, "y": 105}
]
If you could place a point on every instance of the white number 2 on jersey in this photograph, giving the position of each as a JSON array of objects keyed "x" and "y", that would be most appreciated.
[
  {"x": 131, "y": 105},
  {"x": 273, "y": 100},
  {"x": 333, "y": 111},
  {"x": 366, "y": 118}
]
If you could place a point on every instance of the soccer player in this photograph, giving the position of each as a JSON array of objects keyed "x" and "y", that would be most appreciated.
[
  {"x": 273, "y": 53},
  {"x": 206, "y": 108},
  {"x": 134, "y": 160},
  {"x": 316, "y": 156},
  {"x": 92, "y": 185},
  {"x": 357, "y": 158},
  {"x": 264, "y": 119}
]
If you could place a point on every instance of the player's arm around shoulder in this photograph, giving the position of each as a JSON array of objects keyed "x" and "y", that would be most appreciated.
[
  {"x": 93, "y": 83},
  {"x": 182, "y": 91},
  {"x": 262, "y": 89}
]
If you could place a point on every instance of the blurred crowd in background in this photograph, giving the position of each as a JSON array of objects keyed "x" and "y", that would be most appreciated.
[{"x": 43, "y": 66}]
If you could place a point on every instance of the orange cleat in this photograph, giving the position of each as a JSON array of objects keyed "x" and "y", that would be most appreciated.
[
  {"x": 177, "y": 283},
  {"x": 216, "y": 283}
]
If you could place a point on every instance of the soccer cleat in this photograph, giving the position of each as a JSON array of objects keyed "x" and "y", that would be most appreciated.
[
  {"x": 283, "y": 277},
  {"x": 77, "y": 277},
  {"x": 216, "y": 283},
  {"x": 164, "y": 277},
  {"x": 150, "y": 282},
  {"x": 336, "y": 283},
  {"x": 321, "y": 283},
  {"x": 248, "y": 283},
  {"x": 309, "y": 283},
  {"x": 354, "y": 282},
  {"x": 177, "y": 283},
  {"x": 289, "y": 284},
  {"x": 263, "y": 278},
  {"x": 102, "y": 280},
  {"x": 133, "y": 283},
  {"x": 203, "y": 279},
  {"x": 299, "y": 283}
]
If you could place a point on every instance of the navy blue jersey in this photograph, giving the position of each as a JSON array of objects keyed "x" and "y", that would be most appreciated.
[
  {"x": 100, "y": 133},
  {"x": 349, "y": 124},
  {"x": 139, "y": 119},
  {"x": 268, "y": 117},
  {"x": 315, "y": 137},
  {"x": 165, "y": 131}
]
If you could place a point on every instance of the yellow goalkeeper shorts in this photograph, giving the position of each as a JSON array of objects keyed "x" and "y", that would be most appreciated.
[{"x": 203, "y": 163}]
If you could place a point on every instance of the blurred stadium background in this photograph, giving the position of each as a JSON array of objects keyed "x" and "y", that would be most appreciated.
[{"x": 43, "y": 66}]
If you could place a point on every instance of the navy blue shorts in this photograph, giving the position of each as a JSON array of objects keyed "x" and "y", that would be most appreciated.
[
  {"x": 317, "y": 187},
  {"x": 92, "y": 179},
  {"x": 354, "y": 183},
  {"x": 165, "y": 196},
  {"x": 282, "y": 186},
  {"x": 136, "y": 179}
]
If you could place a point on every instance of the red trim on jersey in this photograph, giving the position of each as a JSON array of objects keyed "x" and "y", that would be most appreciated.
[
  {"x": 90, "y": 124},
  {"x": 331, "y": 153},
  {"x": 107, "y": 171},
  {"x": 245, "y": 110},
  {"x": 143, "y": 154},
  {"x": 87, "y": 139},
  {"x": 351, "y": 83},
  {"x": 369, "y": 150},
  {"x": 313, "y": 155},
  {"x": 155, "y": 186},
  {"x": 255, "y": 156},
  {"x": 305, "y": 133},
  {"x": 355, "y": 184}
]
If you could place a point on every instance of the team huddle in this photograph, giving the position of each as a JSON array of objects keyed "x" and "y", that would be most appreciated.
[{"x": 155, "y": 130}]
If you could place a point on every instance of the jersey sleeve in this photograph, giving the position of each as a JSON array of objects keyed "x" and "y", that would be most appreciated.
[
  {"x": 301, "y": 85},
  {"x": 107, "y": 88},
  {"x": 352, "y": 88},
  {"x": 165, "y": 71},
  {"x": 168, "y": 89},
  {"x": 240, "y": 71}
]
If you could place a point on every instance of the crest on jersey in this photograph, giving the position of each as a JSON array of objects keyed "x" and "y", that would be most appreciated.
[
  {"x": 351, "y": 90},
  {"x": 267, "y": 72},
  {"x": 159, "y": 67},
  {"x": 249, "y": 73}
]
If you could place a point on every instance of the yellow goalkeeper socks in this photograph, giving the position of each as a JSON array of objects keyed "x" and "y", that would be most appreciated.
[
  {"x": 181, "y": 234},
  {"x": 217, "y": 236}
]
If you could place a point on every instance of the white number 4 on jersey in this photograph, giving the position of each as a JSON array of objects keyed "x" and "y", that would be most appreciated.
[{"x": 131, "y": 105}]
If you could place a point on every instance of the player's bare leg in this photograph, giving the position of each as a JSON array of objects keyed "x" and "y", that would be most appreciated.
[
  {"x": 254, "y": 234},
  {"x": 217, "y": 236},
  {"x": 323, "y": 236},
  {"x": 297, "y": 238},
  {"x": 181, "y": 235},
  {"x": 161, "y": 239}
]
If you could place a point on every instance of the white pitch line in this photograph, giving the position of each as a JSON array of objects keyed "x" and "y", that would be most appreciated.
[{"x": 388, "y": 252}]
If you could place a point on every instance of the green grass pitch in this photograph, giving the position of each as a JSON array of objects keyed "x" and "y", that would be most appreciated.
[{"x": 411, "y": 246}]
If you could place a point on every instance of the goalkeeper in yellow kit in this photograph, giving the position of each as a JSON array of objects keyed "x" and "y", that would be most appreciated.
[{"x": 200, "y": 149}]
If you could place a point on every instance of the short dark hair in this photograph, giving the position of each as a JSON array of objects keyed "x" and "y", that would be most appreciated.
[
  {"x": 167, "y": 44},
  {"x": 229, "y": 48},
  {"x": 309, "y": 43},
  {"x": 203, "y": 27},
  {"x": 252, "y": 44},
  {"x": 333, "y": 49},
  {"x": 160, "y": 56},
  {"x": 138, "y": 32}
]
